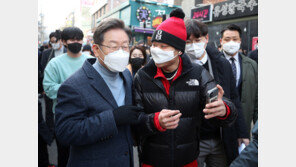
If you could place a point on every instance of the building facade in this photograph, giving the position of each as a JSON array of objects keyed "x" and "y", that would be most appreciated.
[
  {"x": 141, "y": 16},
  {"x": 217, "y": 14}
]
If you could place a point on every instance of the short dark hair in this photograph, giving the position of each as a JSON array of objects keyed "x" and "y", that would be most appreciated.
[
  {"x": 142, "y": 49},
  {"x": 56, "y": 34},
  {"x": 109, "y": 24},
  {"x": 232, "y": 27},
  {"x": 195, "y": 28},
  {"x": 72, "y": 33},
  {"x": 86, "y": 48}
]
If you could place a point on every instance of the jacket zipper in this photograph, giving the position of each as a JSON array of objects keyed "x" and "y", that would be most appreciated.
[{"x": 171, "y": 106}]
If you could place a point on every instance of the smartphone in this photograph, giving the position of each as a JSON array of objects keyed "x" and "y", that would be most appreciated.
[{"x": 212, "y": 95}]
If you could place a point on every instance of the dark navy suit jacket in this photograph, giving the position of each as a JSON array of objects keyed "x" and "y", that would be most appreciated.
[{"x": 85, "y": 121}]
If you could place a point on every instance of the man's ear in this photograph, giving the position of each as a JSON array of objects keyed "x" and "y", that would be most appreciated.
[
  {"x": 95, "y": 48},
  {"x": 180, "y": 53}
]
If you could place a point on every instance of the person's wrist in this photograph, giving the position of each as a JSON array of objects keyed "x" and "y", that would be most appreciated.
[{"x": 157, "y": 122}]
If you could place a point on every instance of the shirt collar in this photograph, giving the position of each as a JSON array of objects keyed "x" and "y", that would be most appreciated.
[
  {"x": 228, "y": 57},
  {"x": 204, "y": 59}
]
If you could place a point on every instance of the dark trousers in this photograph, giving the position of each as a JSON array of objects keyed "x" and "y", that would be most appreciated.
[
  {"x": 212, "y": 153},
  {"x": 63, "y": 154},
  {"x": 49, "y": 117},
  {"x": 42, "y": 152}
]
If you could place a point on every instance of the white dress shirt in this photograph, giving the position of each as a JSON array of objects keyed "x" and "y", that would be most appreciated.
[
  {"x": 202, "y": 61},
  {"x": 236, "y": 62}
]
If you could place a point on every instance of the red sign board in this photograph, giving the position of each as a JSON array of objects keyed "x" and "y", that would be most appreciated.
[
  {"x": 203, "y": 14},
  {"x": 254, "y": 43}
]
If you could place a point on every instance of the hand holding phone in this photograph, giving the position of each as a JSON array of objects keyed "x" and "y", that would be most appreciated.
[
  {"x": 215, "y": 105},
  {"x": 212, "y": 95}
]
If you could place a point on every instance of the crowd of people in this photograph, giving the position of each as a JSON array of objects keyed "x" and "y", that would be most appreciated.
[{"x": 101, "y": 99}]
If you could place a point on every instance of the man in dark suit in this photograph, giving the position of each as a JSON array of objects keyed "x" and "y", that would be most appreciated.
[
  {"x": 44, "y": 138},
  {"x": 56, "y": 49},
  {"x": 214, "y": 150},
  {"x": 245, "y": 73},
  {"x": 94, "y": 112}
]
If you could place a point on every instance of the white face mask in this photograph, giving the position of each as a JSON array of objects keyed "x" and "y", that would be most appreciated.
[
  {"x": 160, "y": 56},
  {"x": 195, "y": 50},
  {"x": 55, "y": 46},
  {"x": 231, "y": 47},
  {"x": 116, "y": 61}
]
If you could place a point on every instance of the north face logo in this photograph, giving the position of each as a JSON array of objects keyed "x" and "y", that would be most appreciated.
[
  {"x": 158, "y": 35},
  {"x": 193, "y": 82}
]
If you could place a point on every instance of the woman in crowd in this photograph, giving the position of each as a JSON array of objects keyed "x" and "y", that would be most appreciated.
[{"x": 137, "y": 59}]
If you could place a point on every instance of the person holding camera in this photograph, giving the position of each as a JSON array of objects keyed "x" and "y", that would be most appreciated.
[
  {"x": 174, "y": 91},
  {"x": 217, "y": 146}
]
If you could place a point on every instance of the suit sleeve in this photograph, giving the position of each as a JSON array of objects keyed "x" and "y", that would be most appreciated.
[
  {"x": 208, "y": 83},
  {"x": 240, "y": 123},
  {"x": 146, "y": 125},
  {"x": 74, "y": 126},
  {"x": 51, "y": 83}
]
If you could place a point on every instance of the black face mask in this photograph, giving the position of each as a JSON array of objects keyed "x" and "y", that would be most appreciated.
[
  {"x": 137, "y": 63},
  {"x": 74, "y": 47}
]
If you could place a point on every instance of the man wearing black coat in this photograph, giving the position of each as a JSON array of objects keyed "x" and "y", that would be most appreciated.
[
  {"x": 56, "y": 49},
  {"x": 173, "y": 91},
  {"x": 216, "y": 147},
  {"x": 44, "y": 138}
]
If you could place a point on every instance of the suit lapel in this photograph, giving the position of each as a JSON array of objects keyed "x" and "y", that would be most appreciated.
[
  {"x": 243, "y": 70},
  {"x": 98, "y": 83},
  {"x": 215, "y": 70},
  {"x": 127, "y": 84}
]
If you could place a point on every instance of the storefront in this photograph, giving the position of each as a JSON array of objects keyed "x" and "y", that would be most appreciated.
[
  {"x": 243, "y": 13},
  {"x": 146, "y": 16},
  {"x": 141, "y": 16}
]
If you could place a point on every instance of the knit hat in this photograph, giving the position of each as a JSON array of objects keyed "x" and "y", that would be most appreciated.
[{"x": 172, "y": 31}]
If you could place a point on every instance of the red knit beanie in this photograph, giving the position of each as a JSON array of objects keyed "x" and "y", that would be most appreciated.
[{"x": 172, "y": 31}]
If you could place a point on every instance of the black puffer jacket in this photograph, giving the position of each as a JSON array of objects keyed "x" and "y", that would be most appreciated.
[{"x": 173, "y": 148}]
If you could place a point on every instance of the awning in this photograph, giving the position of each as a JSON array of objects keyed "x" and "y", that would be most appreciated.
[{"x": 144, "y": 30}]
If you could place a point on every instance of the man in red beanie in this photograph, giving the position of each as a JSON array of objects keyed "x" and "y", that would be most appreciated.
[{"x": 173, "y": 91}]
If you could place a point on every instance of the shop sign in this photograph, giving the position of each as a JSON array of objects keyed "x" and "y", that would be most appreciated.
[
  {"x": 203, "y": 13},
  {"x": 254, "y": 43},
  {"x": 156, "y": 21},
  {"x": 143, "y": 14},
  {"x": 234, "y": 9}
]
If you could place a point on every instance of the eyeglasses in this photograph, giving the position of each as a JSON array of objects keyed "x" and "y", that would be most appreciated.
[{"x": 115, "y": 48}]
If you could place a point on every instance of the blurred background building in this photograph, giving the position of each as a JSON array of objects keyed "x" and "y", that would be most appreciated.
[
  {"x": 220, "y": 13},
  {"x": 143, "y": 16}
]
